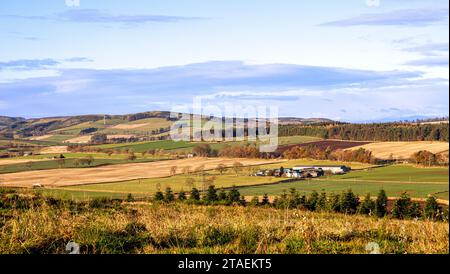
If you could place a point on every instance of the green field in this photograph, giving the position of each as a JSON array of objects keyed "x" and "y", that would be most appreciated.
[
  {"x": 418, "y": 182},
  {"x": 403, "y": 173},
  {"x": 68, "y": 163},
  {"x": 145, "y": 146},
  {"x": 178, "y": 183}
]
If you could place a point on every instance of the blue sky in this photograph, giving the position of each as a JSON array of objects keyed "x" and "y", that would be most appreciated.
[{"x": 362, "y": 60}]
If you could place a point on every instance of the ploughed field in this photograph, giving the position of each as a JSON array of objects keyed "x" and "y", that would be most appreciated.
[{"x": 115, "y": 173}]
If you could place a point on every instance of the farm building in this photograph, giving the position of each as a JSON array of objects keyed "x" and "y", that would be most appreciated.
[{"x": 324, "y": 168}]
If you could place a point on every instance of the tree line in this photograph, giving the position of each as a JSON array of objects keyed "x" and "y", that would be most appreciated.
[
  {"x": 371, "y": 132},
  {"x": 346, "y": 203},
  {"x": 360, "y": 155}
]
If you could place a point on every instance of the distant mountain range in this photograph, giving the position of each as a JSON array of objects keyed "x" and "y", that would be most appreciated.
[{"x": 152, "y": 121}]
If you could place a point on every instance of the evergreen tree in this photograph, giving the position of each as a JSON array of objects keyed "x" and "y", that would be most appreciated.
[
  {"x": 195, "y": 194},
  {"x": 265, "y": 199},
  {"x": 169, "y": 197},
  {"x": 381, "y": 204},
  {"x": 415, "y": 211},
  {"x": 254, "y": 201},
  {"x": 233, "y": 195},
  {"x": 211, "y": 195},
  {"x": 311, "y": 202},
  {"x": 432, "y": 209},
  {"x": 334, "y": 203},
  {"x": 349, "y": 202},
  {"x": 159, "y": 196},
  {"x": 402, "y": 207},
  {"x": 222, "y": 195},
  {"x": 322, "y": 202},
  {"x": 367, "y": 206},
  {"x": 130, "y": 198},
  {"x": 182, "y": 196}
]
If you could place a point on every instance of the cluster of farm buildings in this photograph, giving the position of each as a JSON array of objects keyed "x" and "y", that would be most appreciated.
[{"x": 304, "y": 171}]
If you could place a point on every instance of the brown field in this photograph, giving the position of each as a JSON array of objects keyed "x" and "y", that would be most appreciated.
[
  {"x": 333, "y": 144},
  {"x": 130, "y": 126},
  {"x": 403, "y": 150},
  {"x": 54, "y": 149},
  {"x": 114, "y": 173},
  {"x": 79, "y": 140},
  {"x": 40, "y": 138},
  {"x": 18, "y": 161}
]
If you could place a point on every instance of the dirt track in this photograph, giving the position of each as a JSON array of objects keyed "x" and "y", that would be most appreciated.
[{"x": 114, "y": 173}]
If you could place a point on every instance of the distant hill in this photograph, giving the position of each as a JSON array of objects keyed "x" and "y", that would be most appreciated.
[
  {"x": 303, "y": 121},
  {"x": 136, "y": 124}
]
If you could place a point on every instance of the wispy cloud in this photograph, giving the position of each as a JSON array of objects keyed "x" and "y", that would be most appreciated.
[
  {"x": 433, "y": 49},
  {"x": 98, "y": 16},
  {"x": 29, "y": 64},
  {"x": 429, "y": 62},
  {"x": 33, "y": 64},
  {"x": 407, "y": 17}
]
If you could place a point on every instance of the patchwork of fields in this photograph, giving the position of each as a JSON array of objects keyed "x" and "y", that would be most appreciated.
[{"x": 115, "y": 173}]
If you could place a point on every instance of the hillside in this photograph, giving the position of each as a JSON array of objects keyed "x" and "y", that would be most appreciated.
[{"x": 76, "y": 129}]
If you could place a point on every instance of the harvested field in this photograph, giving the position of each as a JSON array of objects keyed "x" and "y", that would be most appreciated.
[
  {"x": 54, "y": 149},
  {"x": 115, "y": 173},
  {"x": 130, "y": 126},
  {"x": 403, "y": 150},
  {"x": 40, "y": 138},
  {"x": 333, "y": 144},
  {"x": 18, "y": 161}
]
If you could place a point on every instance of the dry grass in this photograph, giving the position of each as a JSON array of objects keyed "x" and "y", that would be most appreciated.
[
  {"x": 79, "y": 140},
  {"x": 403, "y": 150},
  {"x": 181, "y": 228},
  {"x": 116, "y": 173},
  {"x": 54, "y": 149}
]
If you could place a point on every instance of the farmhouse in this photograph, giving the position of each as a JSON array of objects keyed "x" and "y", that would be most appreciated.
[{"x": 324, "y": 168}]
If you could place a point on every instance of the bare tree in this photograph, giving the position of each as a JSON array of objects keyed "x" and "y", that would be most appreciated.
[
  {"x": 221, "y": 168},
  {"x": 173, "y": 170}
]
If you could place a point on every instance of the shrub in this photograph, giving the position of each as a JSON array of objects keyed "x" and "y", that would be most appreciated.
[
  {"x": 182, "y": 196},
  {"x": 233, "y": 195},
  {"x": 402, "y": 207},
  {"x": 130, "y": 198},
  {"x": 159, "y": 196},
  {"x": 169, "y": 197},
  {"x": 432, "y": 209},
  {"x": 311, "y": 203},
  {"x": 195, "y": 194},
  {"x": 333, "y": 203},
  {"x": 349, "y": 202},
  {"x": 367, "y": 206},
  {"x": 211, "y": 195},
  {"x": 265, "y": 199}
]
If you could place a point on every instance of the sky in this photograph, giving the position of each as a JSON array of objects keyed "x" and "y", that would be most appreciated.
[{"x": 353, "y": 60}]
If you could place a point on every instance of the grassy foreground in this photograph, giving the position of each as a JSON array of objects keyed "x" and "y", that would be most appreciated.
[{"x": 114, "y": 227}]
